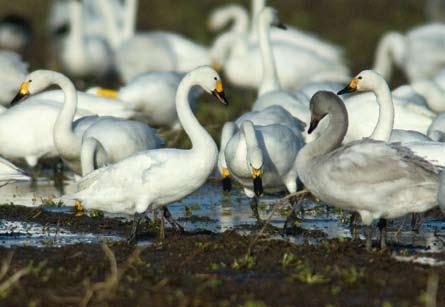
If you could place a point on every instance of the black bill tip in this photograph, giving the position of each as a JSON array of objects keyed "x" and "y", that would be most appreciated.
[
  {"x": 258, "y": 186},
  {"x": 227, "y": 184},
  {"x": 221, "y": 97},
  {"x": 313, "y": 125},
  {"x": 19, "y": 97},
  {"x": 346, "y": 90},
  {"x": 281, "y": 26}
]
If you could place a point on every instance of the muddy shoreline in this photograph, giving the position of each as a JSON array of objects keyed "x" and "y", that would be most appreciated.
[{"x": 205, "y": 269}]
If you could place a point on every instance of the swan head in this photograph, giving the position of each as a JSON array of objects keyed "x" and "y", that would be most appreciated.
[
  {"x": 254, "y": 156},
  {"x": 320, "y": 106},
  {"x": 36, "y": 82},
  {"x": 367, "y": 80},
  {"x": 210, "y": 81},
  {"x": 270, "y": 16}
]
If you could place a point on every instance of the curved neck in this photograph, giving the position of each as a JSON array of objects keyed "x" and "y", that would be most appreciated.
[
  {"x": 130, "y": 19},
  {"x": 385, "y": 123},
  {"x": 75, "y": 36},
  {"x": 199, "y": 137},
  {"x": 240, "y": 20},
  {"x": 332, "y": 136},
  {"x": 391, "y": 48},
  {"x": 249, "y": 134},
  {"x": 256, "y": 7},
  {"x": 270, "y": 81},
  {"x": 223, "y": 45},
  {"x": 67, "y": 143}
]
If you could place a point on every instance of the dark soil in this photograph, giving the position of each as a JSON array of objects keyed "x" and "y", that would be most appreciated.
[{"x": 204, "y": 269}]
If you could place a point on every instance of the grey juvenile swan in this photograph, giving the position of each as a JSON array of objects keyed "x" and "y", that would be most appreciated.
[{"x": 376, "y": 179}]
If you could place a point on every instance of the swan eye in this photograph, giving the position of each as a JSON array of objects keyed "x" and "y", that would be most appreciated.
[
  {"x": 360, "y": 77},
  {"x": 215, "y": 78},
  {"x": 29, "y": 81}
]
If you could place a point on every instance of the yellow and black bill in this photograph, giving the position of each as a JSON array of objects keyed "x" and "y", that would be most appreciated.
[
  {"x": 218, "y": 92},
  {"x": 226, "y": 182},
  {"x": 257, "y": 181},
  {"x": 350, "y": 88},
  {"x": 22, "y": 94}
]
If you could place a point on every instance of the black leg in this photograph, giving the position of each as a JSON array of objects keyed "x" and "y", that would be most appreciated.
[
  {"x": 353, "y": 225},
  {"x": 168, "y": 216},
  {"x": 292, "y": 216},
  {"x": 368, "y": 234},
  {"x": 254, "y": 206},
  {"x": 134, "y": 229},
  {"x": 415, "y": 221},
  {"x": 382, "y": 227}
]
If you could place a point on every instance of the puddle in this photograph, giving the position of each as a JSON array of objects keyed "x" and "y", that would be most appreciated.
[
  {"x": 211, "y": 209},
  {"x": 32, "y": 234}
]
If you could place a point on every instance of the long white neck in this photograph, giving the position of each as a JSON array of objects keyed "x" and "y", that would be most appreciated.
[
  {"x": 240, "y": 20},
  {"x": 252, "y": 146},
  {"x": 385, "y": 123},
  {"x": 432, "y": 92},
  {"x": 270, "y": 81},
  {"x": 75, "y": 36},
  {"x": 228, "y": 131},
  {"x": 199, "y": 137},
  {"x": 130, "y": 19},
  {"x": 223, "y": 46},
  {"x": 113, "y": 33},
  {"x": 391, "y": 48},
  {"x": 256, "y": 7},
  {"x": 67, "y": 143}
]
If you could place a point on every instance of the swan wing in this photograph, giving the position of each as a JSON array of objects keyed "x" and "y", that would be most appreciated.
[{"x": 367, "y": 163}]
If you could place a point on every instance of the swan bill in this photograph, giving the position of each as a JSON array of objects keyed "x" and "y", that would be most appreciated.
[
  {"x": 258, "y": 186},
  {"x": 350, "y": 88},
  {"x": 105, "y": 92},
  {"x": 227, "y": 184},
  {"x": 313, "y": 125},
  {"x": 22, "y": 94}
]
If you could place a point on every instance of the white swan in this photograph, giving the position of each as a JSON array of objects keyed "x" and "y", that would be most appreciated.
[
  {"x": 375, "y": 179},
  {"x": 404, "y": 51},
  {"x": 156, "y": 178},
  {"x": 240, "y": 24},
  {"x": 273, "y": 115},
  {"x": 99, "y": 105},
  {"x": 152, "y": 95},
  {"x": 234, "y": 13},
  {"x": 119, "y": 138},
  {"x": 376, "y": 114},
  {"x": 418, "y": 143},
  {"x": 295, "y": 66},
  {"x": 12, "y": 72},
  {"x": 83, "y": 55},
  {"x": 15, "y": 33}
]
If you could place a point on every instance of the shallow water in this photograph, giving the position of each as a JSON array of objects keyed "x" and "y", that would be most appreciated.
[{"x": 211, "y": 209}]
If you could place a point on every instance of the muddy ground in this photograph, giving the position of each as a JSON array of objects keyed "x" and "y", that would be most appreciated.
[{"x": 204, "y": 269}]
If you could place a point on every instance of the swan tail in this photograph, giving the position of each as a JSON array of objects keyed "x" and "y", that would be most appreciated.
[{"x": 390, "y": 49}]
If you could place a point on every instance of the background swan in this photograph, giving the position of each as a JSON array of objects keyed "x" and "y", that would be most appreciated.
[
  {"x": 26, "y": 131},
  {"x": 375, "y": 179},
  {"x": 119, "y": 137},
  {"x": 152, "y": 95},
  {"x": 295, "y": 66},
  {"x": 15, "y": 33},
  {"x": 82, "y": 54},
  {"x": 376, "y": 114},
  {"x": 404, "y": 50},
  {"x": 12, "y": 72},
  {"x": 156, "y": 178}
]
